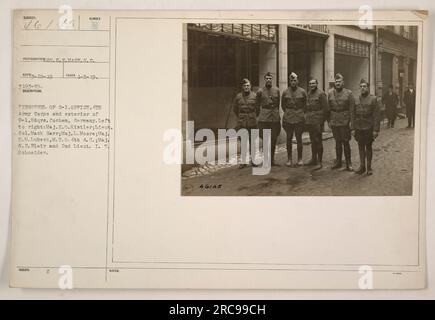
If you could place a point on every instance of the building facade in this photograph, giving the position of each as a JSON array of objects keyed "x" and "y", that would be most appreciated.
[
  {"x": 397, "y": 57},
  {"x": 218, "y": 56}
]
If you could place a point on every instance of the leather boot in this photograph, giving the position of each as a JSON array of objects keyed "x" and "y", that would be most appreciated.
[
  {"x": 347, "y": 156},
  {"x": 313, "y": 161},
  {"x": 362, "y": 159},
  {"x": 338, "y": 160},
  {"x": 289, "y": 159},
  {"x": 369, "y": 159},
  {"x": 337, "y": 164},
  {"x": 319, "y": 158},
  {"x": 369, "y": 168},
  {"x": 300, "y": 163},
  {"x": 361, "y": 169},
  {"x": 318, "y": 166}
]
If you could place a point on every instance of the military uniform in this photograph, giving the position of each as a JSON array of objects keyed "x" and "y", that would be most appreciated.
[
  {"x": 246, "y": 109},
  {"x": 341, "y": 103},
  {"x": 293, "y": 103},
  {"x": 365, "y": 120},
  {"x": 315, "y": 114},
  {"x": 269, "y": 118}
]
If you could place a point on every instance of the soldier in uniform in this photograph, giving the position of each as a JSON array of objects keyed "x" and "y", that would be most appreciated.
[
  {"x": 391, "y": 100},
  {"x": 341, "y": 102},
  {"x": 409, "y": 102},
  {"x": 293, "y": 103},
  {"x": 246, "y": 109},
  {"x": 315, "y": 114},
  {"x": 365, "y": 126},
  {"x": 269, "y": 118}
]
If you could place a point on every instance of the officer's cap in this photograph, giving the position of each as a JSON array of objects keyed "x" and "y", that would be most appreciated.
[
  {"x": 364, "y": 81},
  {"x": 268, "y": 74},
  {"x": 245, "y": 81},
  {"x": 339, "y": 76},
  {"x": 293, "y": 76}
]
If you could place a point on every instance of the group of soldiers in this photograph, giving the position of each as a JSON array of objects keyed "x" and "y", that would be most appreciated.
[{"x": 307, "y": 111}]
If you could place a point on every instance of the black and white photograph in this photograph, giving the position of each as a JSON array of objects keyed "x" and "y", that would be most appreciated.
[{"x": 334, "y": 106}]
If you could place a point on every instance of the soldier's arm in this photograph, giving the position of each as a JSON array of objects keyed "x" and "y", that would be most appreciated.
[
  {"x": 258, "y": 101},
  {"x": 258, "y": 96},
  {"x": 328, "y": 112},
  {"x": 282, "y": 101},
  {"x": 235, "y": 106},
  {"x": 325, "y": 106},
  {"x": 352, "y": 111},
  {"x": 304, "y": 102}
]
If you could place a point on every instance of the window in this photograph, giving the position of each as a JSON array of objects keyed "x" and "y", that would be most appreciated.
[
  {"x": 413, "y": 32},
  {"x": 220, "y": 61},
  {"x": 265, "y": 32},
  {"x": 351, "y": 47}
]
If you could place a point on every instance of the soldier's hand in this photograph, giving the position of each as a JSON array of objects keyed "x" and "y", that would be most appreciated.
[{"x": 375, "y": 134}]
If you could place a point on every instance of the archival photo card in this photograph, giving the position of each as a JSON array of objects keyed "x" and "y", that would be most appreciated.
[
  {"x": 219, "y": 149},
  {"x": 299, "y": 109}
]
